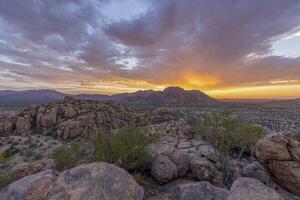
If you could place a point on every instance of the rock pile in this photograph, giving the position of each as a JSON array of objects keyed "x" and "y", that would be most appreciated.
[{"x": 179, "y": 154}]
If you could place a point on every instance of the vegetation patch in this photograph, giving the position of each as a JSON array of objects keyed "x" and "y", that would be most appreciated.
[
  {"x": 229, "y": 135},
  {"x": 127, "y": 147}
]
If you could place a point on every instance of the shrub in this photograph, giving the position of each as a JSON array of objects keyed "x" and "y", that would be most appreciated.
[
  {"x": 127, "y": 148},
  {"x": 5, "y": 180},
  {"x": 247, "y": 137},
  {"x": 4, "y": 159},
  {"x": 227, "y": 133},
  {"x": 66, "y": 156}
]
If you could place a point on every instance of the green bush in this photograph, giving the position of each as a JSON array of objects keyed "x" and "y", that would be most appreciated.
[
  {"x": 227, "y": 133},
  {"x": 67, "y": 156},
  {"x": 127, "y": 148},
  {"x": 4, "y": 159},
  {"x": 5, "y": 180}
]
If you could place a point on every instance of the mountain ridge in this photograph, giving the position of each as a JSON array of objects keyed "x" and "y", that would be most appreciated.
[{"x": 169, "y": 96}]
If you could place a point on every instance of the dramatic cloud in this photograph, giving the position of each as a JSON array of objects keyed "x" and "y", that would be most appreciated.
[{"x": 126, "y": 45}]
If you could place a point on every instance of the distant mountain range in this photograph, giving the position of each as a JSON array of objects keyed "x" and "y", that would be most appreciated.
[{"x": 169, "y": 96}]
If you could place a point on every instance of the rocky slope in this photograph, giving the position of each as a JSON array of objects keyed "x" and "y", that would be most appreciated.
[{"x": 184, "y": 166}]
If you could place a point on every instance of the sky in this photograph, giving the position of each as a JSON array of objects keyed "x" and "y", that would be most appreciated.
[{"x": 226, "y": 48}]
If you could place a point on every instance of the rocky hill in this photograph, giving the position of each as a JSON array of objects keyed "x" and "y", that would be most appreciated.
[
  {"x": 65, "y": 119},
  {"x": 171, "y": 96},
  {"x": 73, "y": 118}
]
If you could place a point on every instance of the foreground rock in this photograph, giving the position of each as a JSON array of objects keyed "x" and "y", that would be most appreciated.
[
  {"x": 279, "y": 154},
  {"x": 33, "y": 187},
  {"x": 251, "y": 189},
  {"x": 92, "y": 181}
]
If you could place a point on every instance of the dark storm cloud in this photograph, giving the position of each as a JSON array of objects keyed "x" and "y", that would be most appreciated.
[{"x": 71, "y": 40}]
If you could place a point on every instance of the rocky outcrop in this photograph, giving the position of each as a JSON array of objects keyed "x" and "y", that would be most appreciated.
[
  {"x": 279, "y": 154},
  {"x": 68, "y": 119},
  {"x": 251, "y": 189},
  {"x": 92, "y": 181}
]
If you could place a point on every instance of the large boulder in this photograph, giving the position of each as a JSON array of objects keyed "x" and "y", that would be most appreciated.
[
  {"x": 25, "y": 169},
  {"x": 294, "y": 148},
  {"x": 202, "y": 169},
  {"x": 272, "y": 147},
  {"x": 251, "y": 189},
  {"x": 89, "y": 182},
  {"x": 256, "y": 171},
  {"x": 163, "y": 169},
  {"x": 201, "y": 191},
  {"x": 69, "y": 111},
  {"x": 33, "y": 187},
  {"x": 280, "y": 155},
  {"x": 72, "y": 130},
  {"x": 23, "y": 125},
  {"x": 96, "y": 181},
  {"x": 286, "y": 174},
  {"x": 182, "y": 162}
]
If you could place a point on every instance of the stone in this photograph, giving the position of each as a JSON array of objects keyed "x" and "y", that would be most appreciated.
[
  {"x": 23, "y": 125},
  {"x": 33, "y": 187},
  {"x": 69, "y": 111},
  {"x": 251, "y": 189},
  {"x": 25, "y": 169},
  {"x": 182, "y": 161},
  {"x": 280, "y": 156},
  {"x": 201, "y": 191},
  {"x": 202, "y": 169},
  {"x": 163, "y": 169},
  {"x": 162, "y": 149},
  {"x": 294, "y": 148},
  {"x": 256, "y": 171},
  {"x": 286, "y": 174},
  {"x": 207, "y": 151},
  {"x": 44, "y": 122},
  {"x": 72, "y": 130},
  {"x": 96, "y": 181},
  {"x": 272, "y": 147}
]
